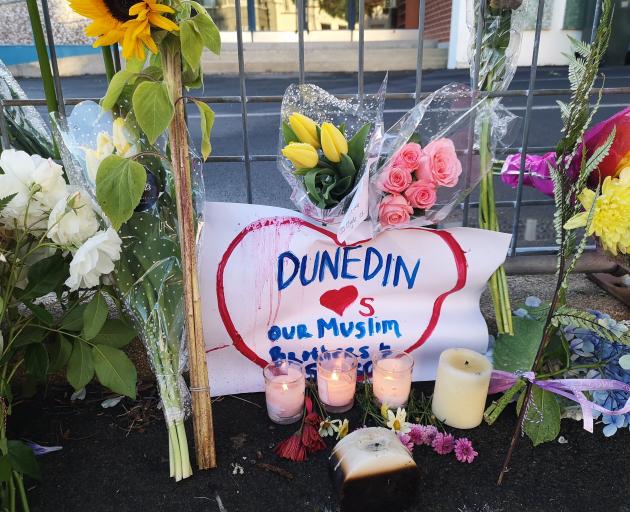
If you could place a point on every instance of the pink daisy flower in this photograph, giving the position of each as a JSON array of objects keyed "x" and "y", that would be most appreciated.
[
  {"x": 443, "y": 443},
  {"x": 464, "y": 450},
  {"x": 406, "y": 440},
  {"x": 423, "y": 434}
]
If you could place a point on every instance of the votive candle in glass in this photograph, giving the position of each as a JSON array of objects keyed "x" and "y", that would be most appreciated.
[
  {"x": 337, "y": 379},
  {"x": 285, "y": 384},
  {"x": 461, "y": 388},
  {"x": 391, "y": 377}
]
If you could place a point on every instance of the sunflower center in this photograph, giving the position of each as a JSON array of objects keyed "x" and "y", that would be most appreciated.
[{"x": 119, "y": 9}]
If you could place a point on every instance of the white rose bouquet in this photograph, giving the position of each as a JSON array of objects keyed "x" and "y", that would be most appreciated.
[{"x": 53, "y": 243}]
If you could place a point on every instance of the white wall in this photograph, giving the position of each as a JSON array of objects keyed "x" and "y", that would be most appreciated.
[{"x": 553, "y": 41}]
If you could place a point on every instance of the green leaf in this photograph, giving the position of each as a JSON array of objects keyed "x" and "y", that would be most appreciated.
[
  {"x": 119, "y": 186},
  {"x": 572, "y": 317},
  {"x": 23, "y": 459},
  {"x": 542, "y": 422},
  {"x": 4, "y": 201},
  {"x": 118, "y": 82},
  {"x": 29, "y": 335},
  {"x": 288, "y": 133},
  {"x": 94, "y": 316},
  {"x": 207, "y": 121},
  {"x": 73, "y": 321},
  {"x": 192, "y": 43},
  {"x": 356, "y": 145},
  {"x": 41, "y": 313},
  {"x": 115, "y": 333},
  {"x": 153, "y": 108},
  {"x": 207, "y": 29},
  {"x": 59, "y": 353},
  {"x": 346, "y": 167},
  {"x": 80, "y": 369},
  {"x": 45, "y": 276},
  {"x": 36, "y": 361},
  {"x": 517, "y": 353},
  {"x": 114, "y": 370},
  {"x": 5, "y": 469}
]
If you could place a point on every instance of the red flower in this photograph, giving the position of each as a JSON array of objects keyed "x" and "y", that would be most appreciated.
[
  {"x": 311, "y": 439},
  {"x": 292, "y": 448}
]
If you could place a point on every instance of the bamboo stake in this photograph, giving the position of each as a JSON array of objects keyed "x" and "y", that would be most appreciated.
[{"x": 178, "y": 137}]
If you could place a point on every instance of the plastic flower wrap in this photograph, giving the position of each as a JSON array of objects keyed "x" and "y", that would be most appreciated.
[
  {"x": 148, "y": 276},
  {"x": 322, "y": 147},
  {"x": 423, "y": 170}
]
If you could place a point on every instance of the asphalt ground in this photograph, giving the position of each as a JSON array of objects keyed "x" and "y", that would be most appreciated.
[{"x": 227, "y": 181}]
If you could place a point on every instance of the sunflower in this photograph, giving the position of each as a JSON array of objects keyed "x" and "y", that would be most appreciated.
[{"x": 125, "y": 21}]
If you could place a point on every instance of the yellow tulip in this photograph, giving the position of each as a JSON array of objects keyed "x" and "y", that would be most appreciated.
[
  {"x": 305, "y": 129},
  {"x": 303, "y": 156},
  {"x": 334, "y": 144}
]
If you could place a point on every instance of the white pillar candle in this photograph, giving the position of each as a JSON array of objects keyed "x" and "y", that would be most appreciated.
[
  {"x": 391, "y": 378},
  {"x": 284, "y": 391},
  {"x": 461, "y": 388},
  {"x": 337, "y": 379}
]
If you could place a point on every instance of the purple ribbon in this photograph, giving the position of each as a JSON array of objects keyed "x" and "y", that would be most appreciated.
[{"x": 569, "y": 388}]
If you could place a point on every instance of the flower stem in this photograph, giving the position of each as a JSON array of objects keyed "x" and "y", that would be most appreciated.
[
  {"x": 495, "y": 409},
  {"x": 22, "y": 491},
  {"x": 177, "y": 460},
  {"x": 183, "y": 449}
]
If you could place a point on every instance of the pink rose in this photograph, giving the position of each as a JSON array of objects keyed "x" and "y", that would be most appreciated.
[
  {"x": 445, "y": 164},
  {"x": 409, "y": 156},
  {"x": 394, "y": 210},
  {"x": 421, "y": 195},
  {"x": 394, "y": 179},
  {"x": 424, "y": 172}
]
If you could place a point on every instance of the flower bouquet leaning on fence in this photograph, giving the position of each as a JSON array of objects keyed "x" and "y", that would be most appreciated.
[
  {"x": 555, "y": 344},
  {"x": 118, "y": 151},
  {"x": 322, "y": 148},
  {"x": 422, "y": 170},
  {"x": 56, "y": 247}
]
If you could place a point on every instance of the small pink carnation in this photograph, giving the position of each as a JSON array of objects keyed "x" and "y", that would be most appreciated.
[
  {"x": 443, "y": 443},
  {"x": 464, "y": 450},
  {"x": 423, "y": 434},
  {"x": 406, "y": 440},
  {"x": 394, "y": 179},
  {"x": 409, "y": 156}
]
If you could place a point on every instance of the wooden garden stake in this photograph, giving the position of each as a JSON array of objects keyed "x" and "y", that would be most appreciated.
[{"x": 180, "y": 159}]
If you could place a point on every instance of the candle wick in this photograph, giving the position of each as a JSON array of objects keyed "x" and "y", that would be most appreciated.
[{"x": 466, "y": 363}]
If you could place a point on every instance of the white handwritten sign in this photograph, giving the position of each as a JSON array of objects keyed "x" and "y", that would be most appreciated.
[{"x": 278, "y": 285}]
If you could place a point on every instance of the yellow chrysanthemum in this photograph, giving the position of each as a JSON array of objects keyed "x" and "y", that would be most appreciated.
[
  {"x": 611, "y": 215},
  {"x": 125, "y": 21}
]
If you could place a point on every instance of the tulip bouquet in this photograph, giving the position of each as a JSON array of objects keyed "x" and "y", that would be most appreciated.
[
  {"x": 53, "y": 242},
  {"x": 322, "y": 150},
  {"x": 415, "y": 184}
]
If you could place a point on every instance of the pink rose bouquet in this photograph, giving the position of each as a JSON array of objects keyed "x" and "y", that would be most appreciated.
[{"x": 409, "y": 182}]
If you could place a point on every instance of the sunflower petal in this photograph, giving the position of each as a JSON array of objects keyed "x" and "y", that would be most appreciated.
[{"x": 157, "y": 20}]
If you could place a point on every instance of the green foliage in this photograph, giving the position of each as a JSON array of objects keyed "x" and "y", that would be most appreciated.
[
  {"x": 80, "y": 369},
  {"x": 207, "y": 122},
  {"x": 4, "y": 201},
  {"x": 119, "y": 186},
  {"x": 94, "y": 316},
  {"x": 46, "y": 276},
  {"x": 22, "y": 459},
  {"x": 207, "y": 29},
  {"x": 517, "y": 352},
  {"x": 571, "y": 317},
  {"x": 288, "y": 134},
  {"x": 114, "y": 370},
  {"x": 192, "y": 43},
  {"x": 115, "y": 333},
  {"x": 356, "y": 145},
  {"x": 115, "y": 88},
  {"x": 542, "y": 421},
  {"x": 153, "y": 108}
]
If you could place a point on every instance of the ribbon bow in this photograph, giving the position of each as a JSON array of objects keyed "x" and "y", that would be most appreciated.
[{"x": 569, "y": 388}]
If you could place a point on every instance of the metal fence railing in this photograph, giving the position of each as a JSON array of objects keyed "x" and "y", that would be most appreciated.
[{"x": 247, "y": 158}]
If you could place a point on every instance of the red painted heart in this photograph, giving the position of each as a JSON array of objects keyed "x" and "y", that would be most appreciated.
[
  {"x": 275, "y": 222},
  {"x": 339, "y": 300}
]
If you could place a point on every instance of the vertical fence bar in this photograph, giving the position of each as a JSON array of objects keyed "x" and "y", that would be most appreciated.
[
  {"x": 361, "y": 75},
  {"x": 241, "y": 79},
  {"x": 53, "y": 58},
  {"x": 526, "y": 127},
  {"x": 4, "y": 129},
  {"x": 116, "y": 53},
  {"x": 596, "y": 15},
  {"x": 420, "y": 58},
  {"x": 300, "y": 21},
  {"x": 480, "y": 15}
]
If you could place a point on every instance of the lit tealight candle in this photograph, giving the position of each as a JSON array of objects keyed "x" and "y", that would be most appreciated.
[
  {"x": 337, "y": 379},
  {"x": 461, "y": 388},
  {"x": 391, "y": 378},
  {"x": 284, "y": 391}
]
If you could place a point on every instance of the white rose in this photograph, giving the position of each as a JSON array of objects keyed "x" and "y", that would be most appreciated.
[
  {"x": 93, "y": 259},
  {"x": 72, "y": 221},
  {"x": 37, "y": 184},
  {"x": 106, "y": 144}
]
